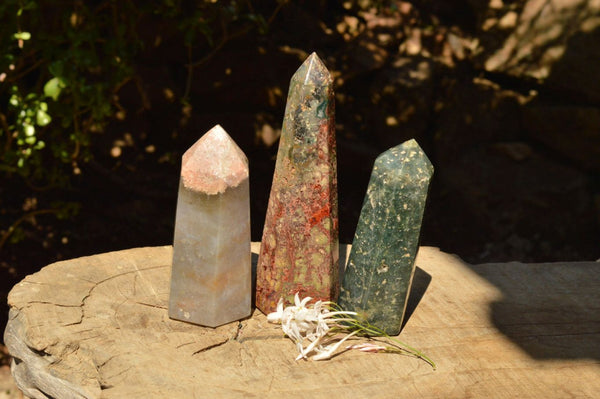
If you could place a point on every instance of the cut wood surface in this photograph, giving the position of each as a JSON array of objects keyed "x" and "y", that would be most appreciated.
[{"x": 97, "y": 327}]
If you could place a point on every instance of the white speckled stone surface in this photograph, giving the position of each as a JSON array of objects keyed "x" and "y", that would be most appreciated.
[{"x": 382, "y": 262}]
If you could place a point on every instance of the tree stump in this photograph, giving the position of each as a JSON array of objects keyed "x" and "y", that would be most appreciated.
[{"x": 97, "y": 327}]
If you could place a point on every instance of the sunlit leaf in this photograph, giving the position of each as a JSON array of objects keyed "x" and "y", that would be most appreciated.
[
  {"x": 53, "y": 87},
  {"x": 22, "y": 35},
  {"x": 14, "y": 100},
  {"x": 42, "y": 118},
  {"x": 29, "y": 130}
]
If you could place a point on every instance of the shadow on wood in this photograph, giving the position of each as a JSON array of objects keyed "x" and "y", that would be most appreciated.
[
  {"x": 254, "y": 264},
  {"x": 550, "y": 310},
  {"x": 420, "y": 282}
]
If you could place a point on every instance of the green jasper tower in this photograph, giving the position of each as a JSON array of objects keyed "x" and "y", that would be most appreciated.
[{"x": 379, "y": 273}]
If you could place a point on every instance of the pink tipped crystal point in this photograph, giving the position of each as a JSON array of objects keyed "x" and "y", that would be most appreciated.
[
  {"x": 214, "y": 163},
  {"x": 211, "y": 272}
]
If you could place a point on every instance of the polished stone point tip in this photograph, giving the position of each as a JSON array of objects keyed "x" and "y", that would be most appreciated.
[
  {"x": 409, "y": 155},
  {"x": 312, "y": 72},
  {"x": 379, "y": 274},
  {"x": 310, "y": 108},
  {"x": 214, "y": 163}
]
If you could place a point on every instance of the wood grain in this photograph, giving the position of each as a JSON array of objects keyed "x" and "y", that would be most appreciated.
[{"x": 97, "y": 327}]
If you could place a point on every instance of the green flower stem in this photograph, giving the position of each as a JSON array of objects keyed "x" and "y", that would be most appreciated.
[{"x": 370, "y": 330}]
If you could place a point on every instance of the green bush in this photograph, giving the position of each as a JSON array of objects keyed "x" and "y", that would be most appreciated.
[{"x": 64, "y": 62}]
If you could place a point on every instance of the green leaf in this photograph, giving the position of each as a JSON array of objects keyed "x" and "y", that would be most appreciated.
[
  {"x": 29, "y": 130},
  {"x": 22, "y": 35},
  {"x": 14, "y": 100},
  {"x": 53, "y": 87},
  {"x": 42, "y": 118}
]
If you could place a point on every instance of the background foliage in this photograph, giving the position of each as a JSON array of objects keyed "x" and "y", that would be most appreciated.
[
  {"x": 63, "y": 66},
  {"x": 99, "y": 99}
]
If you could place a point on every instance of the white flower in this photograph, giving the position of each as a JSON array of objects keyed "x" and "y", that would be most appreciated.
[
  {"x": 323, "y": 331},
  {"x": 327, "y": 352},
  {"x": 276, "y": 316},
  {"x": 310, "y": 324},
  {"x": 367, "y": 347}
]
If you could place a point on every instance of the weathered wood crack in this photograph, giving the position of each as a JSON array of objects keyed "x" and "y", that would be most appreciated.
[
  {"x": 127, "y": 347},
  {"x": 211, "y": 347}
]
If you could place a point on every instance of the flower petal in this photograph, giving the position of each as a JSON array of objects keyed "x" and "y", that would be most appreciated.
[
  {"x": 305, "y": 301},
  {"x": 367, "y": 347},
  {"x": 328, "y": 352}
]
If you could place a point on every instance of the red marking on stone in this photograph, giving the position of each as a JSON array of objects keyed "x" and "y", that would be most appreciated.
[
  {"x": 299, "y": 246},
  {"x": 321, "y": 214}
]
